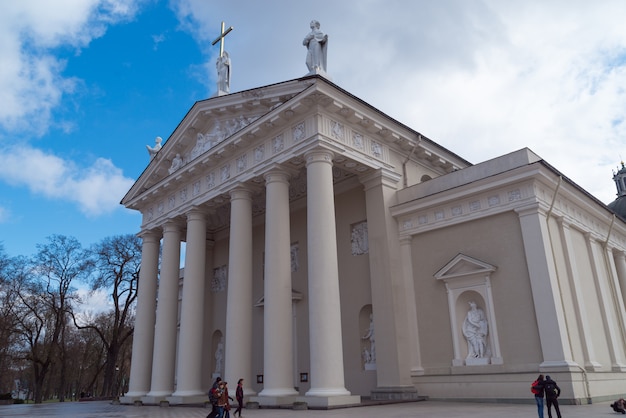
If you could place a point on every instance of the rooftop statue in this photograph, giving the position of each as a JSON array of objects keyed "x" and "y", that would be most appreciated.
[
  {"x": 157, "y": 146},
  {"x": 316, "y": 42}
]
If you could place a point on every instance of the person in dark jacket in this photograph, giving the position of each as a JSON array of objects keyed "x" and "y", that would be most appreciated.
[
  {"x": 552, "y": 392},
  {"x": 239, "y": 396},
  {"x": 213, "y": 396},
  {"x": 619, "y": 406}
]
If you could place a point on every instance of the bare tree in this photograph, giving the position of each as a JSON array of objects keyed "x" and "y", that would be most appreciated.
[
  {"x": 118, "y": 261},
  {"x": 7, "y": 323},
  {"x": 45, "y": 296}
]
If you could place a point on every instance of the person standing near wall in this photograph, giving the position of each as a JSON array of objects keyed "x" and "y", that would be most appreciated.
[
  {"x": 552, "y": 392},
  {"x": 537, "y": 389}
]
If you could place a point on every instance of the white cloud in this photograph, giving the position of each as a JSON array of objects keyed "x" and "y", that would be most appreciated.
[
  {"x": 31, "y": 80},
  {"x": 481, "y": 78},
  {"x": 97, "y": 189}
]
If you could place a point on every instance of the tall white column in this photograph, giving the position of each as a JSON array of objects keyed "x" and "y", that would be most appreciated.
[
  {"x": 278, "y": 334},
  {"x": 238, "y": 357},
  {"x": 143, "y": 336},
  {"x": 164, "y": 357},
  {"x": 325, "y": 338},
  {"x": 189, "y": 372}
]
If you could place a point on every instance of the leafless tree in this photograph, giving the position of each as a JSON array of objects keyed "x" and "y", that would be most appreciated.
[
  {"x": 117, "y": 264},
  {"x": 46, "y": 297}
]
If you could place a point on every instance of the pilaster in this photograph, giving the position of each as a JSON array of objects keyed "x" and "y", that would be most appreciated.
[
  {"x": 389, "y": 290},
  {"x": 555, "y": 346}
]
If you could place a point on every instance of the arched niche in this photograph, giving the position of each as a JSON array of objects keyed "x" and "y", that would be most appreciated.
[{"x": 468, "y": 280}]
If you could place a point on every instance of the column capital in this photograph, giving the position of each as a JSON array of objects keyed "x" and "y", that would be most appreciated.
[
  {"x": 171, "y": 225},
  {"x": 196, "y": 213},
  {"x": 149, "y": 235},
  {"x": 277, "y": 175},
  {"x": 317, "y": 155},
  {"x": 240, "y": 192}
]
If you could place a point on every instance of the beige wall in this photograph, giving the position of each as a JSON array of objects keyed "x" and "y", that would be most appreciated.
[{"x": 495, "y": 240}]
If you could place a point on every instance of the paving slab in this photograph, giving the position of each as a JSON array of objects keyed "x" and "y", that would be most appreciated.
[{"x": 425, "y": 409}]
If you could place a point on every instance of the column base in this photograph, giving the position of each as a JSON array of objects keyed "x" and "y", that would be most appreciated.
[
  {"x": 273, "y": 400},
  {"x": 131, "y": 399},
  {"x": 187, "y": 399},
  {"x": 154, "y": 399},
  {"x": 325, "y": 402},
  {"x": 395, "y": 393}
]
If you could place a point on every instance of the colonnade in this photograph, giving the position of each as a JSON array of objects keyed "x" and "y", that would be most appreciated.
[{"x": 155, "y": 375}]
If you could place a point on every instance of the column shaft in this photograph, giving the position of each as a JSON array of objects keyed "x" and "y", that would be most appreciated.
[
  {"x": 278, "y": 333},
  {"x": 163, "y": 362},
  {"x": 143, "y": 336},
  {"x": 189, "y": 373},
  {"x": 325, "y": 337},
  {"x": 238, "y": 350}
]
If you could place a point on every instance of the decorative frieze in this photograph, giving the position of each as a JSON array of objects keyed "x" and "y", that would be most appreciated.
[
  {"x": 298, "y": 132},
  {"x": 278, "y": 144}
]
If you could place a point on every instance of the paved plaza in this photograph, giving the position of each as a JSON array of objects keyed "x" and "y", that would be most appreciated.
[{"x": 424, "y": 409}]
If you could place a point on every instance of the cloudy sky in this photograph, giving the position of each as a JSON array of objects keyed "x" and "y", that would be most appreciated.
[{"x": 86, "y": 84}]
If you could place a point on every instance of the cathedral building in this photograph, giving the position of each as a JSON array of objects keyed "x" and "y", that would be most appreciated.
[{"x": 332, "y": 254}]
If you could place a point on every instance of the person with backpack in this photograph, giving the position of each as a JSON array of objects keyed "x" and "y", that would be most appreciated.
[
  {"x": 214, "y": 395},
  {"x": 537, "y": 389},
  {"x": 552, "y": 392}
]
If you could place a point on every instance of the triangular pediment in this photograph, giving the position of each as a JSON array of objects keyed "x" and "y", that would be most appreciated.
[
  {"x": 211, "y": 123},
  {"x": 462, "y": 266}
]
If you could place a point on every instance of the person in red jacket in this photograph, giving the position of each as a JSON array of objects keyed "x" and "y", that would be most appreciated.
[{"x": 537, "y": 389}]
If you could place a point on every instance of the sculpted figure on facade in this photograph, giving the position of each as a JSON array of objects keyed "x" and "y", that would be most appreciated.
[
  {"x": 475, "y": 329},
  {"x": 316, "y": 42},
  {"x": 219, "y": 356},
  {"x": 223, "y": 65},
  {"x": 157, "y": 146},
  {"x": 359, "y": 238},
  {"x": 369, "y": 335},
  {"x": 177, "y": 162}
]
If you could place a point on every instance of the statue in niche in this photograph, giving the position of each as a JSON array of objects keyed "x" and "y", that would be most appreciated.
[
  {"x": 369, "y": 335},
  {"x": 223, "y": 73},
  {"x": 359, "y": 239},
  {"x": 177, "y": 162},
  {"x": 294, "y": 257},
  {"x": 475, "y": 329},
  {"x": 219, "y": 356},
  {"x": 316, "y": 42},
  {"x": 157, "y": 146}
]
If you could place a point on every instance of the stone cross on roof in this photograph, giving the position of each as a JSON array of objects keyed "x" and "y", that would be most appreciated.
[
  {"x": 220, "y": 38},
  {"x": 223, "y": 64}
]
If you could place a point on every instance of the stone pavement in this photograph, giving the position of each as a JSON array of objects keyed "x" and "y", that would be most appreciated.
[{"x": 425, "y": 409}]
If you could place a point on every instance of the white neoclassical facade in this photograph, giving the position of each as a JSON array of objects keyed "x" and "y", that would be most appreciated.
[{"x": 331, "y": 253}]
